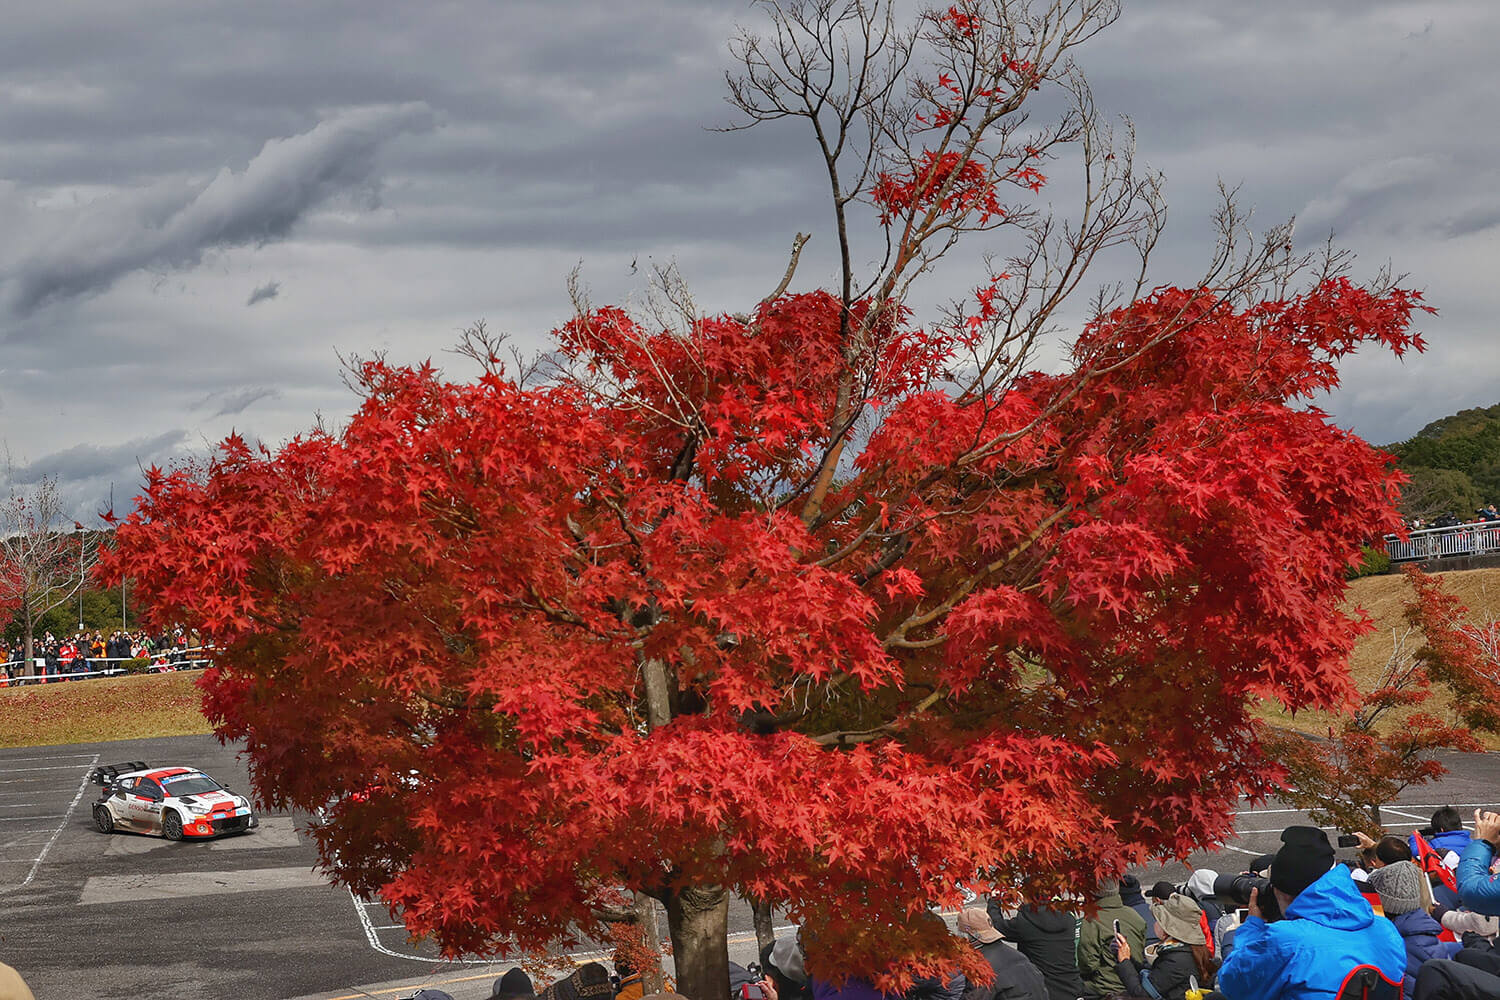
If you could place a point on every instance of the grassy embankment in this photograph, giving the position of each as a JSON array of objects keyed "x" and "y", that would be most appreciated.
[
  {"x": 1382, "y": 597},
  {"x": 128, "y": 708},
  {"x": 93, "y": 711}
]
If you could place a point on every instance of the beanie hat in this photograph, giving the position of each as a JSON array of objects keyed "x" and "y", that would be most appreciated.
[
  {"x": 1162, "y": 890},
  {"x": 1305, "y": 856},
  {"x": 513, "y": 985},
  {"x": 976, "y": 923},
  {"x": 1399, "y": 887},
  {"x": 1180, "y": 919}
]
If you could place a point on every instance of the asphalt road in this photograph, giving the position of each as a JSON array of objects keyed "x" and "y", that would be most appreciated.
[{"x": 84, "y": 914}]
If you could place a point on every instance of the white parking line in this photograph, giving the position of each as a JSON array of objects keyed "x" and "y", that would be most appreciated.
[
  {"x": 22, "y": 819},
  {"x": 59, "y": 756},
  {"x": 36, "y": 866},
  {"x": 1398, "y": 812}
]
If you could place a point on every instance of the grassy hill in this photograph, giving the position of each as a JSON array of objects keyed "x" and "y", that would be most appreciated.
[
  {"x": 93, "y": 711},
  {"x": 1382, "y": 597},
  {"x": 1454, "y": 464}
]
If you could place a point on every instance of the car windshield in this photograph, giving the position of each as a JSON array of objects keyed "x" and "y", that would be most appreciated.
[{"x": 190, "y": 784}]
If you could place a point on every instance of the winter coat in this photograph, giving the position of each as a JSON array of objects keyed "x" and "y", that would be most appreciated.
[
  {"x": 1049, "y": 938},
  {"x": 1171, "y": 973},
  {"x": 1096, "y": 945},
  {"x": 1479, "y": 890},
  {"x": 1448, "y": 840},
  {"x": 1452, "y": 981},
  {"x": 1328, "y": 930},
  {"x": 1130, "y": 895},
  {"x": 1015, "y": 977},
  {"x": 1419, "y": 932}
]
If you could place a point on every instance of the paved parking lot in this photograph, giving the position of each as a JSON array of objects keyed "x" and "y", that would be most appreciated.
[{"x": 85, "y": 914}]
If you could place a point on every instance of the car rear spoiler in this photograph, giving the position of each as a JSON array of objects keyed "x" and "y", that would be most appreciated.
[{"x": 107, "y": 774}]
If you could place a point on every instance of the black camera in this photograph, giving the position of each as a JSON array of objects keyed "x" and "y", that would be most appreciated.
[{"x": 1238, "y": 888}]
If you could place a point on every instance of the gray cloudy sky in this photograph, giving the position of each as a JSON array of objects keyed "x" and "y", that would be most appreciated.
[{"x": 204, "y": 202}]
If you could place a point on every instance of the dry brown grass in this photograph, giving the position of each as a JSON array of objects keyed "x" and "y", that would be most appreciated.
[
  {"x": 1382, "y": 598},
  {"x": 95, "y": 711}
]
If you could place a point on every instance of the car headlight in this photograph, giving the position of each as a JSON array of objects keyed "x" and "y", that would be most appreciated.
[{"x": 198, "y": 810}]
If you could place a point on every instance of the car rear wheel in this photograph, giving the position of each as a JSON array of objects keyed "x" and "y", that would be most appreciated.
[
  {"x": 171, "y": 825},
  {"x": 104, "y": 819}
]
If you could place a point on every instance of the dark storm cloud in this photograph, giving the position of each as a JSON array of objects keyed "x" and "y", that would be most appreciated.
[
  {"x": 264, "y": 293},
  {"x": 171, "y": 225},
  {"x": 234, "y": 402},
  {"x": 88, "y": 461},
  {"x": 580, "y": 132}
]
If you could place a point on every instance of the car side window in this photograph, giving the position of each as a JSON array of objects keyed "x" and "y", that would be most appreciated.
[{"x": 149, "y": 789}]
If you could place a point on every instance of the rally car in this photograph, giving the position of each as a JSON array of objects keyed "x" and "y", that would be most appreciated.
[{"x": 172, "y": 802}]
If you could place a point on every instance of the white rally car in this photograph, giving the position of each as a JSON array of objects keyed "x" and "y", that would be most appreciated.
[{"x": 172, "y": 802}]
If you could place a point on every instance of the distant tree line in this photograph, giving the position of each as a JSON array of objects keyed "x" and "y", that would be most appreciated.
[{"x": 1453, "y": 464}]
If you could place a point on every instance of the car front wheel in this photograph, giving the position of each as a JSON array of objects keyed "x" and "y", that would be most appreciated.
[
  {"x": 171, "y": 826},
  {"x": 103, "y": 819}
]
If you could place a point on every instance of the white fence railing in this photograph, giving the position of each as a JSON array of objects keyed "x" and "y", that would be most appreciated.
[
  {"x": 14, "y": 672},
  {"x": 1438, "y": 543}
]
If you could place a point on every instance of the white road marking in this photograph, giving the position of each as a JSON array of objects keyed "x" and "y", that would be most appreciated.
[
  {"x": 59, "y": 767},
  {"x": 100, "y": 889},
  {"x": 82, "y": 787},
  {"x": 60, "y": 756},
  {"x": 374, "y": 938},
  {"x": 1398, "y": 812},
  {"x": 22, "y": 819}
]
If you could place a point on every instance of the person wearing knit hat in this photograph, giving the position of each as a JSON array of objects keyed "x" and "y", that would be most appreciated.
[
  {"x": 1327, "y": 929},
  {"x": 1400, "y": 888}
]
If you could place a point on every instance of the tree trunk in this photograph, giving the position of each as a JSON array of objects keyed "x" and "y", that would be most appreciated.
[
  {"x": 30, "y": 670},
  {"x": 765, "y": 927},
  {"x": 653, "y": 980},
  {"x": 698, "y": 919},
  {"x": 1375, "y": 815}
]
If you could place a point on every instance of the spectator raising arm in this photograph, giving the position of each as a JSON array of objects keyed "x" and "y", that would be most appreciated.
[{"x": 1479, "y": 890}]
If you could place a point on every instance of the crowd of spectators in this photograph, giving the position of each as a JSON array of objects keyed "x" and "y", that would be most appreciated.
[
  {"x": 93, "y": 653},
  {"x": 1411, "y": 918},
  {"x": 1483, "y": 515}
]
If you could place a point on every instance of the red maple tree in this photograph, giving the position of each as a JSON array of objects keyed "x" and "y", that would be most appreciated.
[
  {"x": 815, "y": 604},
  {"x": 1387, "y": 741}
]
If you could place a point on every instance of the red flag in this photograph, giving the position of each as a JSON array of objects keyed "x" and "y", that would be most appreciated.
[{"x": 1431, "y": 862}]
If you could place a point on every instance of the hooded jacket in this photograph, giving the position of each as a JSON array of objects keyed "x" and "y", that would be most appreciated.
[
  {"x": 1479, "y": 890},
  {"x": 1049, "y": 938},
  {"x": 1096, "y": 949},
  {"x": 1328, "y": 930}
]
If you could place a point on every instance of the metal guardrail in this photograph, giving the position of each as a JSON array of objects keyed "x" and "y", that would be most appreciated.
[
  {"x": 99, "y": 666},
  {"x": 1439, "y": 543}
]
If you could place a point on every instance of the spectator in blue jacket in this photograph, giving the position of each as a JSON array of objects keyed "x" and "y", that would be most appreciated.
[
  {"x": 1327, "y": 930},
  {"x": 1448, "y": 833},
  {"x": 1480, "y": 890}
]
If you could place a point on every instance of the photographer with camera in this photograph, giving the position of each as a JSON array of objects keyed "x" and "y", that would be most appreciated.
[{"x": 1326, "y": 929}]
